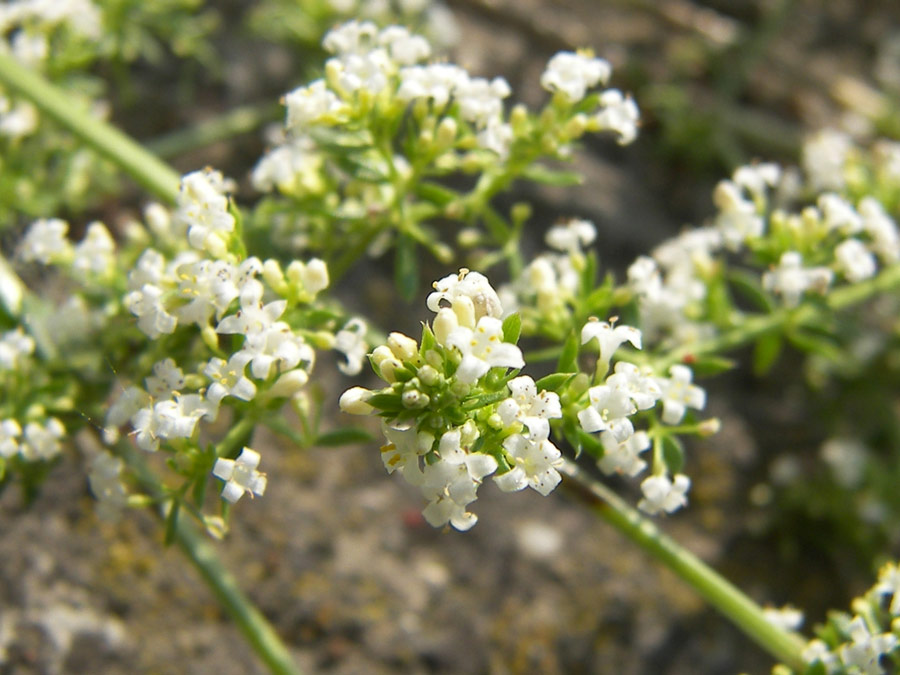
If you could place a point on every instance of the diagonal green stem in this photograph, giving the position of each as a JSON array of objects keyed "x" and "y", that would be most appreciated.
[
  {"x": 152, "y": 173},
  {"x": 709, "y": 584}
]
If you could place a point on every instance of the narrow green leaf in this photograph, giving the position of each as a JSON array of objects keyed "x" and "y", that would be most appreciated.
[
  {"x": 766, "y": 352},
  {"x": 512, "y": 328},
  {"x": 547, "y": 176},
  {"x": 429, "y": 342},
  {"x": 553, "y": 381},
  {"x": 568, "y": 360},
  {"x": 406, "y": 267},
  {"x": 816, "y": 344},
  {"x": 747, "y": 285},
  {"x": 707, "y": 366},
  {"x": 673, "y": 454},
  {"x": 435, "y": 193},
  {"x": 172, "y": 522},
  {"x": 345, "y": 436},
  {"x": 386, "y": 402}
]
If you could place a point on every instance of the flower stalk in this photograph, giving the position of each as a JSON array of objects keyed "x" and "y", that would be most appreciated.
[{"x": 743, "y": 612}]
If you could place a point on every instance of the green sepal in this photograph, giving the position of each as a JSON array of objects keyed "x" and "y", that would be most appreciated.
[
  {"x": 568, "y": 360},
  {"x": 673, "y": 453},
  {"x": 428, "y": 341},
  {"x": 512, "y": 328},
  {"x": 766, "y": 352},
  {"x": 386, "y": 402},
  {"x": 344, "y": 436},
  {"x": 588, "y": 442}
]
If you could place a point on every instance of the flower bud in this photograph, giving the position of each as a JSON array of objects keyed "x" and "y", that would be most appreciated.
[
  {"x": 444, "y": 323},
  {"x": 403, "y": 347},
  {"x": 289, "y": 383},
  {"x": 710, "y": 426},
  {"x": 446, "y": 132},
  {"x": 354, "y": 401},
  {"x": 413, "y": 398},
  {"x": 315, "y": 276},
  {"x": 385, "y": 363},
  {"x": 464, "y": 309},
  {"x": 428, "y": 375},
  {"x": 274, "y": 276}
]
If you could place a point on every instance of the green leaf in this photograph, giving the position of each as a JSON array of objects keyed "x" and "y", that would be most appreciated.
[
  {"x": 816, "y": 344},
  {"x": 172, "y": 522},
  {"x": 747, "y": 285},
  {"x": 568, "y": 360},
  {"x": 429, "y": 342},
  {"x": 345, "y": 436},
  {"x": 553, "y": 382},
  {"x": 589, "y": 274},
  {"x": 406, "y": 267},
  {"x": 766, "y": 352},
  {"x": 547, "y": 176},
  {"x": 512, "y": 328},
  {"x": 435, "y": 193},
  {"x": 673, "y": 453},
  {"x": 386, "y": 402},
  {"x": 590, "y": 443},
  {"x": 706, "y": 366}
]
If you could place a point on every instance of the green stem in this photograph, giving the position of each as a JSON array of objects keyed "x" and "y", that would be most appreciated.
[
  {"x": 144, "y": 167},
  {"x": 235, "y": 122},
  {"x": 756, "y": 326},
  {"x": 256, "y": 629},
  {"x": 748, "y": 616}
]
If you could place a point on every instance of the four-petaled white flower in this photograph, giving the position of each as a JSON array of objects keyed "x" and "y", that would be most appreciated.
[
  {"x": 664, "y": 494},
  {"x": 483, "y": 349},
  {"x": 351, "y": 342},
  {"x": 619, "y": 113},
  {"x": 240, "y": 475},
  {"x": 572, "y": 236},
  {"x": 678, "y": 394},
  {"x": 791, "y": 279},
  {"x": 865, "y": 650},
  {"x": 573, "y": 73},
  {"x": 229, "y": 379},
  {"x": 530, "y": 408},
  {"x": 854, "y": 260},
  {"x": 622, "y": 456},
  {"x": 609, "y": 338},
  {"x": 533, "y": 463},
  {"x": 15, "y": 348},
  {"x": 45, "y": 241}
]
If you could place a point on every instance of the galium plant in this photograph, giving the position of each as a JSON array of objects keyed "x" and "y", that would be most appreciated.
[{"x": 193, "y": 329}]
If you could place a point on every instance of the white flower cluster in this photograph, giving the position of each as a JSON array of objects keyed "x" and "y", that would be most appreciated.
[
  {"x": 444, "y": 463},
  {"x": 40, "y": 439},
  {"x": 626, "y": 391},
  {"x": 864, "y": 646},
  {"x": 24, "y": 27},
  {"x": 550, "y": 281},
  {"x": 571, "y": 74}
]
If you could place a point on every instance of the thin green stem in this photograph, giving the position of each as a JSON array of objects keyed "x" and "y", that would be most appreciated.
[
  {"x": 256, "y": 629},
  {"x": 144, "y": 167},
  {"x": 748, "y": 616},
  {"x": 756, "y": 326},
  {"x": 235, "y": 122}
]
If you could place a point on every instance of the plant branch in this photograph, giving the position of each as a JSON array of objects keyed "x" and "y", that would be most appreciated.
[
  {"x": 144, "y": 167},
  {"x": 786, "y": 646}
]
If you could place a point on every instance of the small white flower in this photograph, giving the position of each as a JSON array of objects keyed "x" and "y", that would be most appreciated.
[
  {"x": 663, "y": 494},
  {"x": 10, "y": 431},
  {"x": 839, "y": 214},
  {"x": 881, "y": 228},
  {"x": 209, "y": 287},
  {"x": 817, "y": 652},
  {"x": 229, "y": 379},
  {"x": 573, "y": 73},
  {"x": 533, "y": 464},
  {"x": 405, "y": 446},
  {"x": 621, "y": 456},
  {"x": 678, "y": 394},
  {"x": 637, "y": 383},
  {"x": 824, "y": 155},
  {"x": 351, "y": 342},
  {"x": 483, "y": 349},
  {"x": 469, "y": 294},
  {"x": 609, "y": 338},
  {"x": 15, "y": 348},
  {"x": 41, "y": 441},
  {"x": 608, "y": 410},
  {"x": 240, "y": 475},
  {"x": 353, "y": 37},
  {"x": 436, "y": 81},
  {"x": 167, "y": 379},
  {"x": 354, "y": 401},
  {"x": 480, "y": 100},
  {"x": 95, "y": 254},
  {"x": 737, "y": 219},
  {"x": 854, "y": 260},
  {"x": 791, "y": 280},
  {"x": 787, "y": 618},
  {"x": 147, "y": 305},
  {"x": 203, "y": 210},
  {"x": 404, "y": 47},
  {"x": 253, "y": 317},
  {"x": 571, "y": 237},
  {"x": 45, "y": 241},
  {"x": 530, "y": 408},
  {"x": 310, "y": 105},
  {"x": 865, "y": 650},
  {"x": 620, "y": 114}
]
